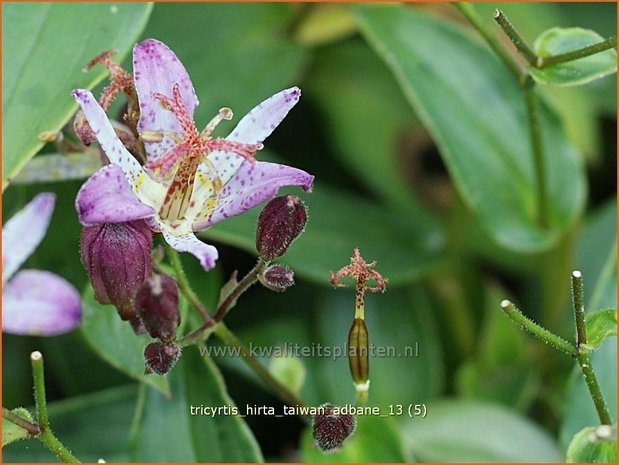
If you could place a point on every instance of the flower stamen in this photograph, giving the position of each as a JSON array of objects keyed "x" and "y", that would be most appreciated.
[{"x": 120, "y": 80}]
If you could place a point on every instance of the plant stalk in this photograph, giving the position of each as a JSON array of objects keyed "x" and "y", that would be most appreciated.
[
  {"x": 516, "y": 39},
  {"x": 31, "y": 428},
  {"x": 544, "y": 62}
]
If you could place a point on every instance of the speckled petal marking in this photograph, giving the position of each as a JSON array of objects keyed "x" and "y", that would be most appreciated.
[
  {"x": 252, "y": 184},
  {"x": 156, "y": 69},
  {"x": 184, "y": 240},
  {"x": 107, "y": 198},
  {"x": 24, "y": 232}
]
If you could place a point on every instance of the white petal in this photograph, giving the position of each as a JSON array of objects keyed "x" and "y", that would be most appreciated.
[{"x": 184, "y": 240}]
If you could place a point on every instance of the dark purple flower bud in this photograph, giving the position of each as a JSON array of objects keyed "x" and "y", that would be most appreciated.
[
  {"x": 330, "y": 429},
  {"x": 278, "y": 278},
  {"x": 137, "y": 325},
  {"x": 160, "y": 357},
  {"x": 117, "y": 259},
  {"x": 280, "y": 222},
  {"x": 82, "y": 129},
  {"x": 156, "y": 302}
]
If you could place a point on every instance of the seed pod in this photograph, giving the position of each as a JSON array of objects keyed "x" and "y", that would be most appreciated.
[
  {"x": 160, "y": 357},
  {"x": 277, "y": 278},
  {"x": 358, "y": 357}
]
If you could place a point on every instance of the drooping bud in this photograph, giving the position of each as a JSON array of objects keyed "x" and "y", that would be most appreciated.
[
  {"x": 156, "y": 302},
  {"x": 160, "y": 357},
  {"x": 279, "y": 223},
  {"x": 277, "y": 278},
  {"x": 117, "y": 259},
  {"x": 330, "y": 429}
]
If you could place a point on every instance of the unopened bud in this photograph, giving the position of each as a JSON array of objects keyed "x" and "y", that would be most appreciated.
[
  {"x": 358, "y": 357},
  {"x": 160, "y": 357},
  {"x": 331, "y": 429},
  {"x": 82, "y": 129},
  {"x": 279, "y": 223},
  {"x": 277, "y": 278},
  {"x": 117, "y": 259},
  {"x": 156, "y": 302}
]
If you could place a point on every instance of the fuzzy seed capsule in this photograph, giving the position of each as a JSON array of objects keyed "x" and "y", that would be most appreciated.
[
  {"x": 277, "y": 278},
  {"x": 330, "y": 429},
  {"x": 160, "y": 357}
]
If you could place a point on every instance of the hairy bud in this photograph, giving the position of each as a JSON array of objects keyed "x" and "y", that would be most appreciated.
[
  {"x": 279, "y": 223},
  {"x": 160, "y": 357},
  {"x": 117, "y": 259},
  {"x": 156, "y": 302},
  {"x": 277, "y": 278},
  {"x": 331, "y": 429}
]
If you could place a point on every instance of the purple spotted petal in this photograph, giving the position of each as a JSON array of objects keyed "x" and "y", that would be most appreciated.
[
  {"x": 39, "y": 303},
  {"x": 156, "y": 69},
  {"x": 24, "y": 232},
  {"x": 107, "y": 198},
  {"x": 260, "y": 122},
  {"x": 254, "y": 128},
  {"x": 188, "y": 242},
  {"x": 107, "y": 138},
  {"x": 253, "y": 184}
]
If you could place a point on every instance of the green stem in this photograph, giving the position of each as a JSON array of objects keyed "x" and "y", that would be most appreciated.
[
  {"x": 473, "y": 18},
  {"x": 184, "y": 286},
  {"x": 31, "y": 428},
  {"x": 594, "y": 389},
  {"x": 249, "y": 280},
  {"x": 536, "y": 330},
  {"x": 282, "y": 391},
  {"x": 578, "y": 302},
  {"x": 208, "y": 327},
  {"x": 516, "y": 39},
  {"x": 46, "y": 436},
  {"x": 544, "y": 62},
  {"x": 537, "y": 147}
]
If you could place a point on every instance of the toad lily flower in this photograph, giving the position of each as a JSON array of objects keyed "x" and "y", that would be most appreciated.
[
  {"x": 191, "y": 180},
  {"x": 34, "y": 302}
]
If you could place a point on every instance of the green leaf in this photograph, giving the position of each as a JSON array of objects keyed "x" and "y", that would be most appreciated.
[
  {"x": 588, "y": 447},
  {"x": 75, "y": 421},
  {"x": 600, "y": 325},
  {"x": 375, "y": 439},
  {"x": 475, "y": 111},
  {"x": 10, "y": 431},
  {"x": 556, "y": 41},
  {"x": 464, "y": 431},
  {"x": 42, "y": 66},
  {"x": 404, "y": 247},
  {"x": 202, "y": 437},
  {"x": 115, "y": 342},
  {"x": 288, "y": 370}
]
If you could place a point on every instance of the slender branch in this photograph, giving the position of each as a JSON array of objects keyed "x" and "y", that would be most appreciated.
[
  {"x": 31, "y": 428},
  {"x": 516, "y": 39},
  {"x": 473, "y": 18},
  {"x": 536, "y": 330},
  {"x": 544, "y": 62},
  {"x": 184, "y": 286},
  {"x": 204, "y": 331},
  {"x": 228, "y": 337},
  {"x": 578, "y": 302},
  {"x": 537, "y": 147},
  {"x": 249, "y": 280},
  {"x": 46, "y": 436}
]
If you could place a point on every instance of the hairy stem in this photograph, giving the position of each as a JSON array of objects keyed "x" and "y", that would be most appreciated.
[
  {"x": 544, "y": 62},
  {"x": 516, "y": 39},
  {"x": 538, "y": 331}
]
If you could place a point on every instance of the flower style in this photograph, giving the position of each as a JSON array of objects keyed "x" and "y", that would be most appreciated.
[
  {"x": 191, "y": 180},
  {"x": 34, "y": 302}
]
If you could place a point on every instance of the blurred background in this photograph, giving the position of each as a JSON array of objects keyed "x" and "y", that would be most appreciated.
[{"x": 404, "y": 172}]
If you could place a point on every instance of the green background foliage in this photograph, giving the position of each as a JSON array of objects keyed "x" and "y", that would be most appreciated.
[{"x": 418, "y": 137}]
